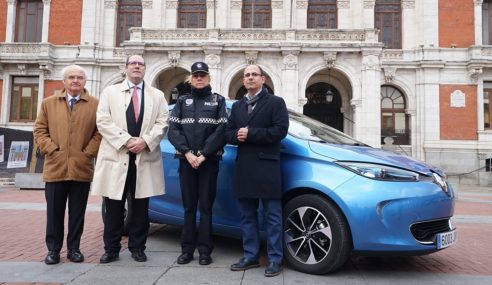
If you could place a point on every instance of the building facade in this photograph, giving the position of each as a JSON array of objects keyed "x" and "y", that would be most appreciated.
[{"x": 413, "y": 76}]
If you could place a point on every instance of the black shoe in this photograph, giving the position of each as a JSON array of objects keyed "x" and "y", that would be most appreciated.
[
  {"x": 244, "y": 264},
  {"x": 53, "y": 257},
  {"x": 74, "y": 255},
  {"x": 185, "y": 258},
  {"x": 205, "y": 259},
  {"x": 139, "y": 255},
  {"x": 273, "y": 269},
  {"x": 109, "y": 256}
]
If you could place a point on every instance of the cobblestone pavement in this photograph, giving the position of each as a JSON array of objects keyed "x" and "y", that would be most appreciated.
[{"x": 22, "y": 224}]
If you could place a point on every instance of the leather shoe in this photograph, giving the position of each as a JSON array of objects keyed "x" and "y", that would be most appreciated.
[
  {"x": 109, "y": 256},
  {"x": 205, "y": 259},
  {"x": 139, "y": 255},
  {"x": 74, "y": 255},
  {"x": 244, "y": 264},
  {"x": 53, "y": 257},
  {"x": 273, "y": 269},
  {"x": 185, "y": 258}
]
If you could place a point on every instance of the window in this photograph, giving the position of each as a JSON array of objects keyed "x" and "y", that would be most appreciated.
[
  {"x": 192, "y": 14},
  {"x": 24, "y": 102},
  {"x": 257, "y": 14},
  {"x": 29, "y": 21},
  {"x": 487, "y": 106},
  {"x": 487, "y": 22},
  {"x": 129, "y": 15},
  {"x": 322, "y": 14},
  {"x": 394, "y": 121},
  {"x": 387, "y": 19}
]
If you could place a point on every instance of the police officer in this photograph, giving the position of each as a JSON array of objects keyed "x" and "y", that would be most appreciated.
[{"x": 197, "y": 131}]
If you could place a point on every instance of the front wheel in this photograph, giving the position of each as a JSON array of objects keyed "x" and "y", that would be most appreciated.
[{"x": 316, "y": 235}]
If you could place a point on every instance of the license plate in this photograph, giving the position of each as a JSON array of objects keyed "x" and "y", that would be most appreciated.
[{"x": 445, "y": 239}]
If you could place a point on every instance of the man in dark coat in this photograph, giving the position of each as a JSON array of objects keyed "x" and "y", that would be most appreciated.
[{"x": 257, "y": 124}]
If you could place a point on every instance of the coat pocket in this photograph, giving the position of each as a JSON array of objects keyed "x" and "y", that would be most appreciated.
[{"x": 268, "y": 156}]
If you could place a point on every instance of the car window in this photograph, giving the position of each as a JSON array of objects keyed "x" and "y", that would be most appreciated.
[{"x": 303, "y": 127}]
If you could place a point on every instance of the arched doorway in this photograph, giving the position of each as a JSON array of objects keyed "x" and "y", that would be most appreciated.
[
  {"x": 321, "y": 107},
  {"x": 173, "y": 78}
]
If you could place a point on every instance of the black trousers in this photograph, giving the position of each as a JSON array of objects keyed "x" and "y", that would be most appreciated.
[
  {"x": 115, "y": 213},
  {"x": 57, "y": 194},
  {"x": 198, "y": 186}
]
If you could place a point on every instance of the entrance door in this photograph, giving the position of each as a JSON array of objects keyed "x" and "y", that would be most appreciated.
[{"x": 321, "y": 108}]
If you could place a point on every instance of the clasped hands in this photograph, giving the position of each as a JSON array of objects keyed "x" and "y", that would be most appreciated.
[
  {"x": 194, "y": 160},
  {"x": 242, "y": 134},
  {"x": 136, "y": 145}
]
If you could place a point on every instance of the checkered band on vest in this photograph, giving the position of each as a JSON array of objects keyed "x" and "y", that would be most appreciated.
[{"x": 187, "y": 121}]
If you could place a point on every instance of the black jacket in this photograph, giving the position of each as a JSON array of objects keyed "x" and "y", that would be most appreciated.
[
  {"x": 257, "y": 172},
  {"x": 197, "y": 124}
]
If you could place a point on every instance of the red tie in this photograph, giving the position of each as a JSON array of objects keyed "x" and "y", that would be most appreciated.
[{"x": 135, "y": 102}]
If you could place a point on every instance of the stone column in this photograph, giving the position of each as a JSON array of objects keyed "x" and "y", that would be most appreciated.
[
  {"x": 212, "y": 59},
  {"x": 235, "y": 14},
  {"x": 345, "y": 20},
  {"x": 368, "y": 14},
  {"x": 301, "y": 14},
  {"x": 46, "y": 21},
  {"x": 211, "y": 14},
  {"x": 478, "y": 22},
  {"x": 408, "y": 24},
  {"x": 290, "y": 79},
  {"x": 277, "y": 14},
  {"x": 10, "y": 29},
  {"x": 368, "y": 119},
  {"x": 109, "y": 23},
  {"x": 151, "y": 14},
  {"x": 171, "y": 14},
  {"x": 7, "y": 85}
]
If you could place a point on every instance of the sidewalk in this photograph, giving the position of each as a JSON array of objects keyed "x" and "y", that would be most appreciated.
[{"x": 22, "y": 252}]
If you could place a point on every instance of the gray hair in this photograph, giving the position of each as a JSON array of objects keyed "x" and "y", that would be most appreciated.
[{"x": 66, "y": 69}]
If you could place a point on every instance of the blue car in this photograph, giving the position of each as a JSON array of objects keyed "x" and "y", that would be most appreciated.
[{"x": 340, "y": 197}]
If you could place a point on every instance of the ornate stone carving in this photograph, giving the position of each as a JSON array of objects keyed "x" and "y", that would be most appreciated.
[
  {"x": 119, "y": 53},
  {"x": 301, "y": 4},
  {"x": 171, "y": 4},
  {"x": 330, "y": 57},
  {"x": 213, "y": 60},
  {"x": 22, "y": 69},
  {"x": 174, "y": 57},
  {"x": 369, "y": 4},
  {"x": 46, "y": 2},
  {"x": 343, "y": 4},
  {"x": 251, "y": 57},
  {"x": 392, "y": 54},
  {"x": 290, "y": 61},
  {"x": 24, "y": 48},
  {"x": 279, "y": 4},
  {"x": 210, "y": 4},
  {"x": 11, "y": 2},
  {"x": 110, "y": 4},
  {"x": 478, "y": 2},
  {"x": 147, "y": 4},
  {"x": 408, "y": 4},
  {"x": 474, "y": 73},
  {"x": 236, "y": 5},
  {"x": 457, "y": 99},
  {"x": 321, "y": 35},
  {"x": 370, "y": 61},
  {"x": 252, "y": 35},
  {"x": 46, "y": 68},
  {"x": 389, "y": 73},
  {"x": 174, "y": 34}
]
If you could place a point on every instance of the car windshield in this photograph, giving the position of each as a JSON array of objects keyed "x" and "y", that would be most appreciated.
[{"x": 306, "y": 128}]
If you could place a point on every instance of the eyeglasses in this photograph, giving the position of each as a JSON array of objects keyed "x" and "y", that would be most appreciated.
[
  {"x": 136, "y": 63},
  {"x": 73, "y": 77},
  {"x": 254, "y": 74},
  {"x": 199, "y": 74}
]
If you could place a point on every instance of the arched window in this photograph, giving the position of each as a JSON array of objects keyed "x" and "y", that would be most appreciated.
[
  {"x": 387, "y": 19},
  {"x": 29, "y": 21},
  {"x": 394, "y": 121},
  {"x": 257, "y": 14},
  {"x": 129, "y": 15},
  {"x": 322, "y": 14},
  {"x": 192, "y": 14}
]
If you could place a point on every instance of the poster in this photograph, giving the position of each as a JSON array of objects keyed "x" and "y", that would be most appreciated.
[
  {"x": 1, "y": 147},
  {"x": 18, "y": 154}
]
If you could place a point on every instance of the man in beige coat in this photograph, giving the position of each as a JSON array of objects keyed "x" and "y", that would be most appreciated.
[
  {"x": 132, "y": 118},
  {"x": 66, "y": 133}
]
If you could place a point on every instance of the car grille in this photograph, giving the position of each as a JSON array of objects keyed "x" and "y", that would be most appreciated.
[{"x": 426, "y": 231}]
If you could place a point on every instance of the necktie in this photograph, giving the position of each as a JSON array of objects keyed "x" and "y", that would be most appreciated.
[
  {"x": 72, "y": 102},
  {"x": 135, "y": 102}
]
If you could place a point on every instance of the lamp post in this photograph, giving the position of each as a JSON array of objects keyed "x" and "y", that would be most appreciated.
[{"x": 175, "y": 93}]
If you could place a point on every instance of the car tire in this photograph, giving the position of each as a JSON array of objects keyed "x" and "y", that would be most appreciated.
[
  {"x": 316, "y": 235},
  {"x": 126, "y": 213}
]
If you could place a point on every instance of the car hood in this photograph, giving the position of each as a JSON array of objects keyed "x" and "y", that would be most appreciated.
[{"x": 372, "y": 155}]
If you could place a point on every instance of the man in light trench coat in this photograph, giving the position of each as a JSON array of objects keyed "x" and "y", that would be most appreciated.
[{"x": 132, "y": 118}]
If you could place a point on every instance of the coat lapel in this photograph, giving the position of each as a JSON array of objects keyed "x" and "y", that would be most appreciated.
[{"x": 258, "y": 105}]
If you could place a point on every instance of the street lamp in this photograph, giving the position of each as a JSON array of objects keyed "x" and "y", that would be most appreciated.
[
  {"x": 329, "y": 93},
  {"x": 175, "y": 93}
]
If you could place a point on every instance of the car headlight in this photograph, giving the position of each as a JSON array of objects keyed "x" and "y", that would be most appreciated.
[{"x": 380, "y": 172}]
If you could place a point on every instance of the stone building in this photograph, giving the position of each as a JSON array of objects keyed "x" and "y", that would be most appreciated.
[{"x": 413, "y": 76}]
